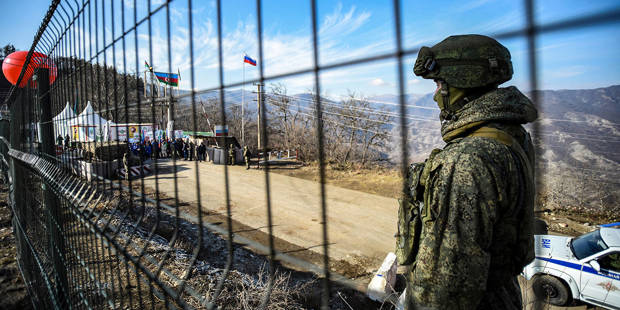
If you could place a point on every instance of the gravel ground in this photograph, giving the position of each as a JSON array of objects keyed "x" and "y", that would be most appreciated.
[{"x": 12, "y": 289}]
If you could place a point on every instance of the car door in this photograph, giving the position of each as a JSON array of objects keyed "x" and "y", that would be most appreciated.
[
  {"x": 592, "y": 284},
  {"x": 610, "y": 269}
]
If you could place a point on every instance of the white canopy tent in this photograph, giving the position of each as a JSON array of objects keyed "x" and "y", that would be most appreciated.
[
  {"x": 62, "y": 121},
  {"x": 88, "y": 126}
]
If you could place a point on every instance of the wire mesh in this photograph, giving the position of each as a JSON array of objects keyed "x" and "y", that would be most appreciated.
[{"x": 100, "y": 229}]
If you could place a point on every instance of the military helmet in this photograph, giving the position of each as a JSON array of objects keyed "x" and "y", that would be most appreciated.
[{"x": 465, "y": 61}]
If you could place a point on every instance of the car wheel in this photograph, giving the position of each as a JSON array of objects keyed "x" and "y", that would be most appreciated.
[{"x": 551, "y": 289}]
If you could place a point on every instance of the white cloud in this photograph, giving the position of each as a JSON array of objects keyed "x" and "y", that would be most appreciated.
[
  {"x": 568, "y": 72},
  {"x": 473, "y": 5},
  {"x": 378, "y": 82},
  {"x": 414, "y": 81},
  {"x": 282, "y": 52}
]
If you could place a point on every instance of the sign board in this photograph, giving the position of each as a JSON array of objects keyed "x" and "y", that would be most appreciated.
[
  {"x": 221, "y": 131},
  {"x": 134, "y": 133},
  {"x": 76, "y": 133},
  {"x": 122, "y": 133}
]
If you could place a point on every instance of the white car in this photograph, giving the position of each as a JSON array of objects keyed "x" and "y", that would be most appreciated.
[{"x": 585, "y": 268}]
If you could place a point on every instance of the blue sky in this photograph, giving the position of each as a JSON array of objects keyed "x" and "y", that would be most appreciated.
[{"x": 581, "y": 58}]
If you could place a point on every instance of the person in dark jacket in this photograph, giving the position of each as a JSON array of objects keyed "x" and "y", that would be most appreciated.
[
  {"x": 192, "y": 150},
  {"x": 67, "y": 142},
  {"x": 202, "y": 149}
]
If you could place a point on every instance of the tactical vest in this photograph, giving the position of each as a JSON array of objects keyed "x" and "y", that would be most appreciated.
[{"x": 414, "y": 207}]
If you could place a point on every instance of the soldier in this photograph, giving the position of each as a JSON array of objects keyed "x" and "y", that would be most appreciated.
[
  {"x": 466, "y": 221},
  {"x": 126, "y": 165},
  {"x": 231, "y": 155},
  {"x": 246, "y": 157}
]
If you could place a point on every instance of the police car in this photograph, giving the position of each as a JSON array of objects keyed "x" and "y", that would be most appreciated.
[{"x": 585, "y": 268}]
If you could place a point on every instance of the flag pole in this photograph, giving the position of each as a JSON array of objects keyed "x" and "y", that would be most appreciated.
[{"x": 243, "y": 106}]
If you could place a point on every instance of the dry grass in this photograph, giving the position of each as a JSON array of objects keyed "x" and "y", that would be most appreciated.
[
  {"x": 241, "y": 290},
  {"x": 244, "y": 291},
  {"x": 376, "y": 180}
]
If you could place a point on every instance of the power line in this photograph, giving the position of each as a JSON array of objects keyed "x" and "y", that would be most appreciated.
[
  {"x": 350, "y": 116},
  {"x": 564, "y": 147},
  {"x": 583, "y": 134},
  {"x": 578, "y": 138},
  {"x": 572, "y": 121},
  {"x": 369, "y": 110},
  {"x": 393, "y": 104}
]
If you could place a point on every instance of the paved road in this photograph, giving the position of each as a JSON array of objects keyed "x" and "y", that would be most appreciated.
[{"x": 360, "y": 225}]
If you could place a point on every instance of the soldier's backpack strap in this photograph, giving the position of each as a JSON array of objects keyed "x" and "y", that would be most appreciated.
[
  {"x": 524, "y": 246},
  {"x": 506, "y": 139}
]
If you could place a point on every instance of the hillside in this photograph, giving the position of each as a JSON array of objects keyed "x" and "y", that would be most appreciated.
[{"x": 577, "y": 147}]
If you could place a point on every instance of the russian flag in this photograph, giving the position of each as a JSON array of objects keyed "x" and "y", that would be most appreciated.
[{"x": 249, "y": 60}]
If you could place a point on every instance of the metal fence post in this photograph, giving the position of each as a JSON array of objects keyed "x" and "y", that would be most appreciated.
[
  {"x": 52, "y": 205},
  {"x": 17, "y": 189}
]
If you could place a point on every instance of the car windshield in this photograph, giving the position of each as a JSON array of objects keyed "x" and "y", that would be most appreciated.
[{"x": 588, "y": 244}]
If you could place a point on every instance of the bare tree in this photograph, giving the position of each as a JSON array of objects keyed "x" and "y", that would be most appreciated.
[{"x": 361, "y": 127}]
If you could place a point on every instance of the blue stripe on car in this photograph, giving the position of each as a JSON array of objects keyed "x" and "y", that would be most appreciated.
[{"x": 588, "y": 269}]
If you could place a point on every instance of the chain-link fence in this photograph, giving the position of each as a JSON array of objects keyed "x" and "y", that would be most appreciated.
[{"x": 102, "y": 225}]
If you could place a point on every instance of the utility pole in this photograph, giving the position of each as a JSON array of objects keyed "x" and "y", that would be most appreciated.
[
  {"x": 170, "y": 127},
  {"x": 145, "y": 84},
  {"x": 259, "y": 100}
]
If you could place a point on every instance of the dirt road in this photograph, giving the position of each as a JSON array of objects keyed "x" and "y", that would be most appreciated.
[{"x": 361, "y": 226}]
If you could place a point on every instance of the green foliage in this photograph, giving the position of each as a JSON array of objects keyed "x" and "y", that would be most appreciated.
[{"x": 6, "y": 51}]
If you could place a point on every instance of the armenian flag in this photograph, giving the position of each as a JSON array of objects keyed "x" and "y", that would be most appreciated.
[
  {"x": 171, "y": 79},
  {"x": 247, "y": 59}
]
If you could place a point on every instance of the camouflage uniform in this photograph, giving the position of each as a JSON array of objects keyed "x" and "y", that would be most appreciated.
[
  {"x": 246, "y": 157},
  {"x": 478, "y": 196},
  {"x": 231, "y": 155}
]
